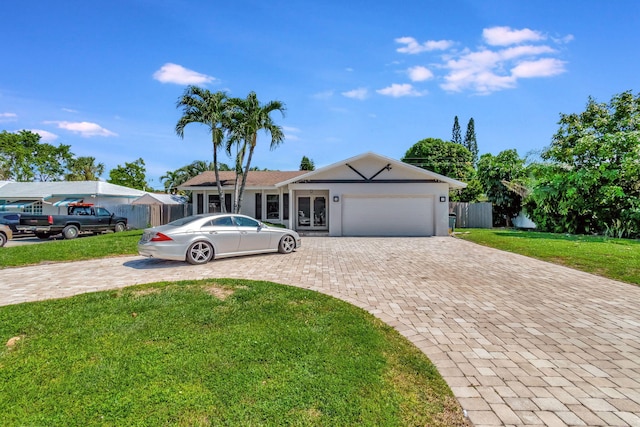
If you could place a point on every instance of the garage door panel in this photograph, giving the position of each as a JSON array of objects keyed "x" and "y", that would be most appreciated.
[{"x": 387, "y": 216}]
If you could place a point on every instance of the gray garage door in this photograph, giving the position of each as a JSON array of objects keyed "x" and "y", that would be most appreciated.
[{"x": 387, "y": 216}]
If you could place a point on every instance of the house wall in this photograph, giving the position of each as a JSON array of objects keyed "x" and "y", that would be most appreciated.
[
  {"x": 248, "y": 204},
  {"x": 334, "y": 209}
]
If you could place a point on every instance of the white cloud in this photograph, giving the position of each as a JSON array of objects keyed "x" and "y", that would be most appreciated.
[
  {"x": 419, "y": 74},
  {"x": 413, "y": 47},
  {"x": 85, "y": 129},
  {"x": 504, "y": 36},
  {"x": 8, "y": 117},
  {"x": 174, "y": 73},
  {"x": 360, "y": 93},
  {"x": 69, "y": 110},
  {"x": 544, "y": 67},
  {"x": 527, "y": 50},
  {"x": 290, "y": 133},
  {"x": 399, "y": 90},
  {"x": 485, "y": 71},
  {"x": 506, "y": 56},
  {"x": 323, "y": 95},
  {"x": 45, "y": 136}
]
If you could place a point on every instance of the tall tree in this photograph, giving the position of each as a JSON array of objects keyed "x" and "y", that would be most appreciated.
[
  {"x": 24, "y": 158},
  {"x": 456, "y": 136},
  {"x": 306, "y": 164},
  {"x": 494, "y": 174},
  {"x": 590, "y": 181},
  {"x": 210, "y": 109},
  {"x": 84, "y": 169},
  {"x": 470, "y": 141},
  {"x": 171, "y": 180},
  {"x": 448, "y": 159},
  {"x": 249, "y": 117},
  {"x": 132, "y": 175}
]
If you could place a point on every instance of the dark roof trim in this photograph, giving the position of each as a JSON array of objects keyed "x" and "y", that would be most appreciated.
[{"x": 369, "y": 181}]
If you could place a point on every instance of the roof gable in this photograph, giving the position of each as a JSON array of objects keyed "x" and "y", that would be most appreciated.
[{"x": 373, "y": 167}]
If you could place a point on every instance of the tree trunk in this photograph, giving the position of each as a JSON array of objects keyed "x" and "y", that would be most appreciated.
[
  {"x": 244, "y": 176},
  {"x": 223, "y": 207}
]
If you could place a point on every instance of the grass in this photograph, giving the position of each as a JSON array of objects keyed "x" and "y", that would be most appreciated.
[
  {"x": 224, "y": 352},
  {"x": 617, "y": 259},
  {"x": 86, "y": 247}
]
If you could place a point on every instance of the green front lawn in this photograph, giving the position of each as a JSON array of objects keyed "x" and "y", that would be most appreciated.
[
  {"x": 618, "y": 259},
  {"x": 84, "y": 247},
  {"x": 223, "y": 352}
]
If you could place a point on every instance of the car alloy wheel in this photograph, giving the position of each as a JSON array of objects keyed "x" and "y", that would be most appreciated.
[{"x": 199, "y": 253}]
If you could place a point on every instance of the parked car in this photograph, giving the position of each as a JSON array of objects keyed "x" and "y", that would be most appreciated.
[
  {"x": 200, "y": 238},
  {"x": 5, "y": 234},
  {"x": 10, "y": 219},
  {"x": 80, "y": 218}
]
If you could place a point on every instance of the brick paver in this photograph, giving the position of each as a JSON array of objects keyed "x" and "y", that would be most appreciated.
[{"x": 519, "y": 341}]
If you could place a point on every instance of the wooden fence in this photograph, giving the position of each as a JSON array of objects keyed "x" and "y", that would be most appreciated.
[
  {"x": 472, "y": 215},
  {"x": 143, "y": 216}
]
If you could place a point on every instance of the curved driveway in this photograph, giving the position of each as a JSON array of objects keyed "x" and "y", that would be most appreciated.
[{"x": 519, "y": 341}]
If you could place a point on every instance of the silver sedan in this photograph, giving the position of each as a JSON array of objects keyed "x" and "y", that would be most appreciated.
[{"x": 200, "y": 238}]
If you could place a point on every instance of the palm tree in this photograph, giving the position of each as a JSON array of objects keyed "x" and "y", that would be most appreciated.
[
  {"x": 84, "y": 169},
  {"x": 210, "y": 109},
  {"x": 172, "y": 179},
  {"x": 248, "y": 117}
]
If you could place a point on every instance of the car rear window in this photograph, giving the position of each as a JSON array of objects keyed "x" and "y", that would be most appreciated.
[{"x": 183, "y": 221}]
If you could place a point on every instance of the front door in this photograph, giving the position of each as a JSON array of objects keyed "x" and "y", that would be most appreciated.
[{"x": 312, "y": 212}]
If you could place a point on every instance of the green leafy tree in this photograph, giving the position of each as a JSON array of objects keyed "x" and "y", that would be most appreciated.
[
  {"x": 83, "y": 169},
  {"x": 589, "y": 181},
  {"x": 24, "y": 158},
  {"x": 456, "y": 136},
  {"x": 306, "y": 164},
  {"x": 470, "y": 141},
  {"x": 132, "y": 175},
  {"x": 210, "y": 109},
  {"x": 449, "y": 159},
  {"x": 495, "y": 173},
  {"x": 248, "y": 117}
]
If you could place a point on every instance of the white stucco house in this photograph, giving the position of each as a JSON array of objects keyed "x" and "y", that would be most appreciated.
[
  {"x": 366, "y": 195},
  {"x": 51, "y": 198}
]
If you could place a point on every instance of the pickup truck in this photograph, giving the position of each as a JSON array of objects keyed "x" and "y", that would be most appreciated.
[{"x": 80, "y": 218}]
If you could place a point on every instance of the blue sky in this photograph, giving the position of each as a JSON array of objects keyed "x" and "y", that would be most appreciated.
[{"x": 356, "y": 76}]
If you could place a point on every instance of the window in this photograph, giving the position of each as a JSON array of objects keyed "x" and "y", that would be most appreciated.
[
  {"x": 242, "y": 221},
  {"x": 273, "y": 206},
  {"x": 34, "y": 208},
  {"x": 200, "y": 203},
  {"x": 224, "y": 221},
  {"x": 214, "y": 203},
  {"x": 258, "y": 214},
  {"x": 285, "y": 206}
]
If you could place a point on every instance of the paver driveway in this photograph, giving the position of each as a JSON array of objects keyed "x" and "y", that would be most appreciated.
[{"x": 520, "y": 341}]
